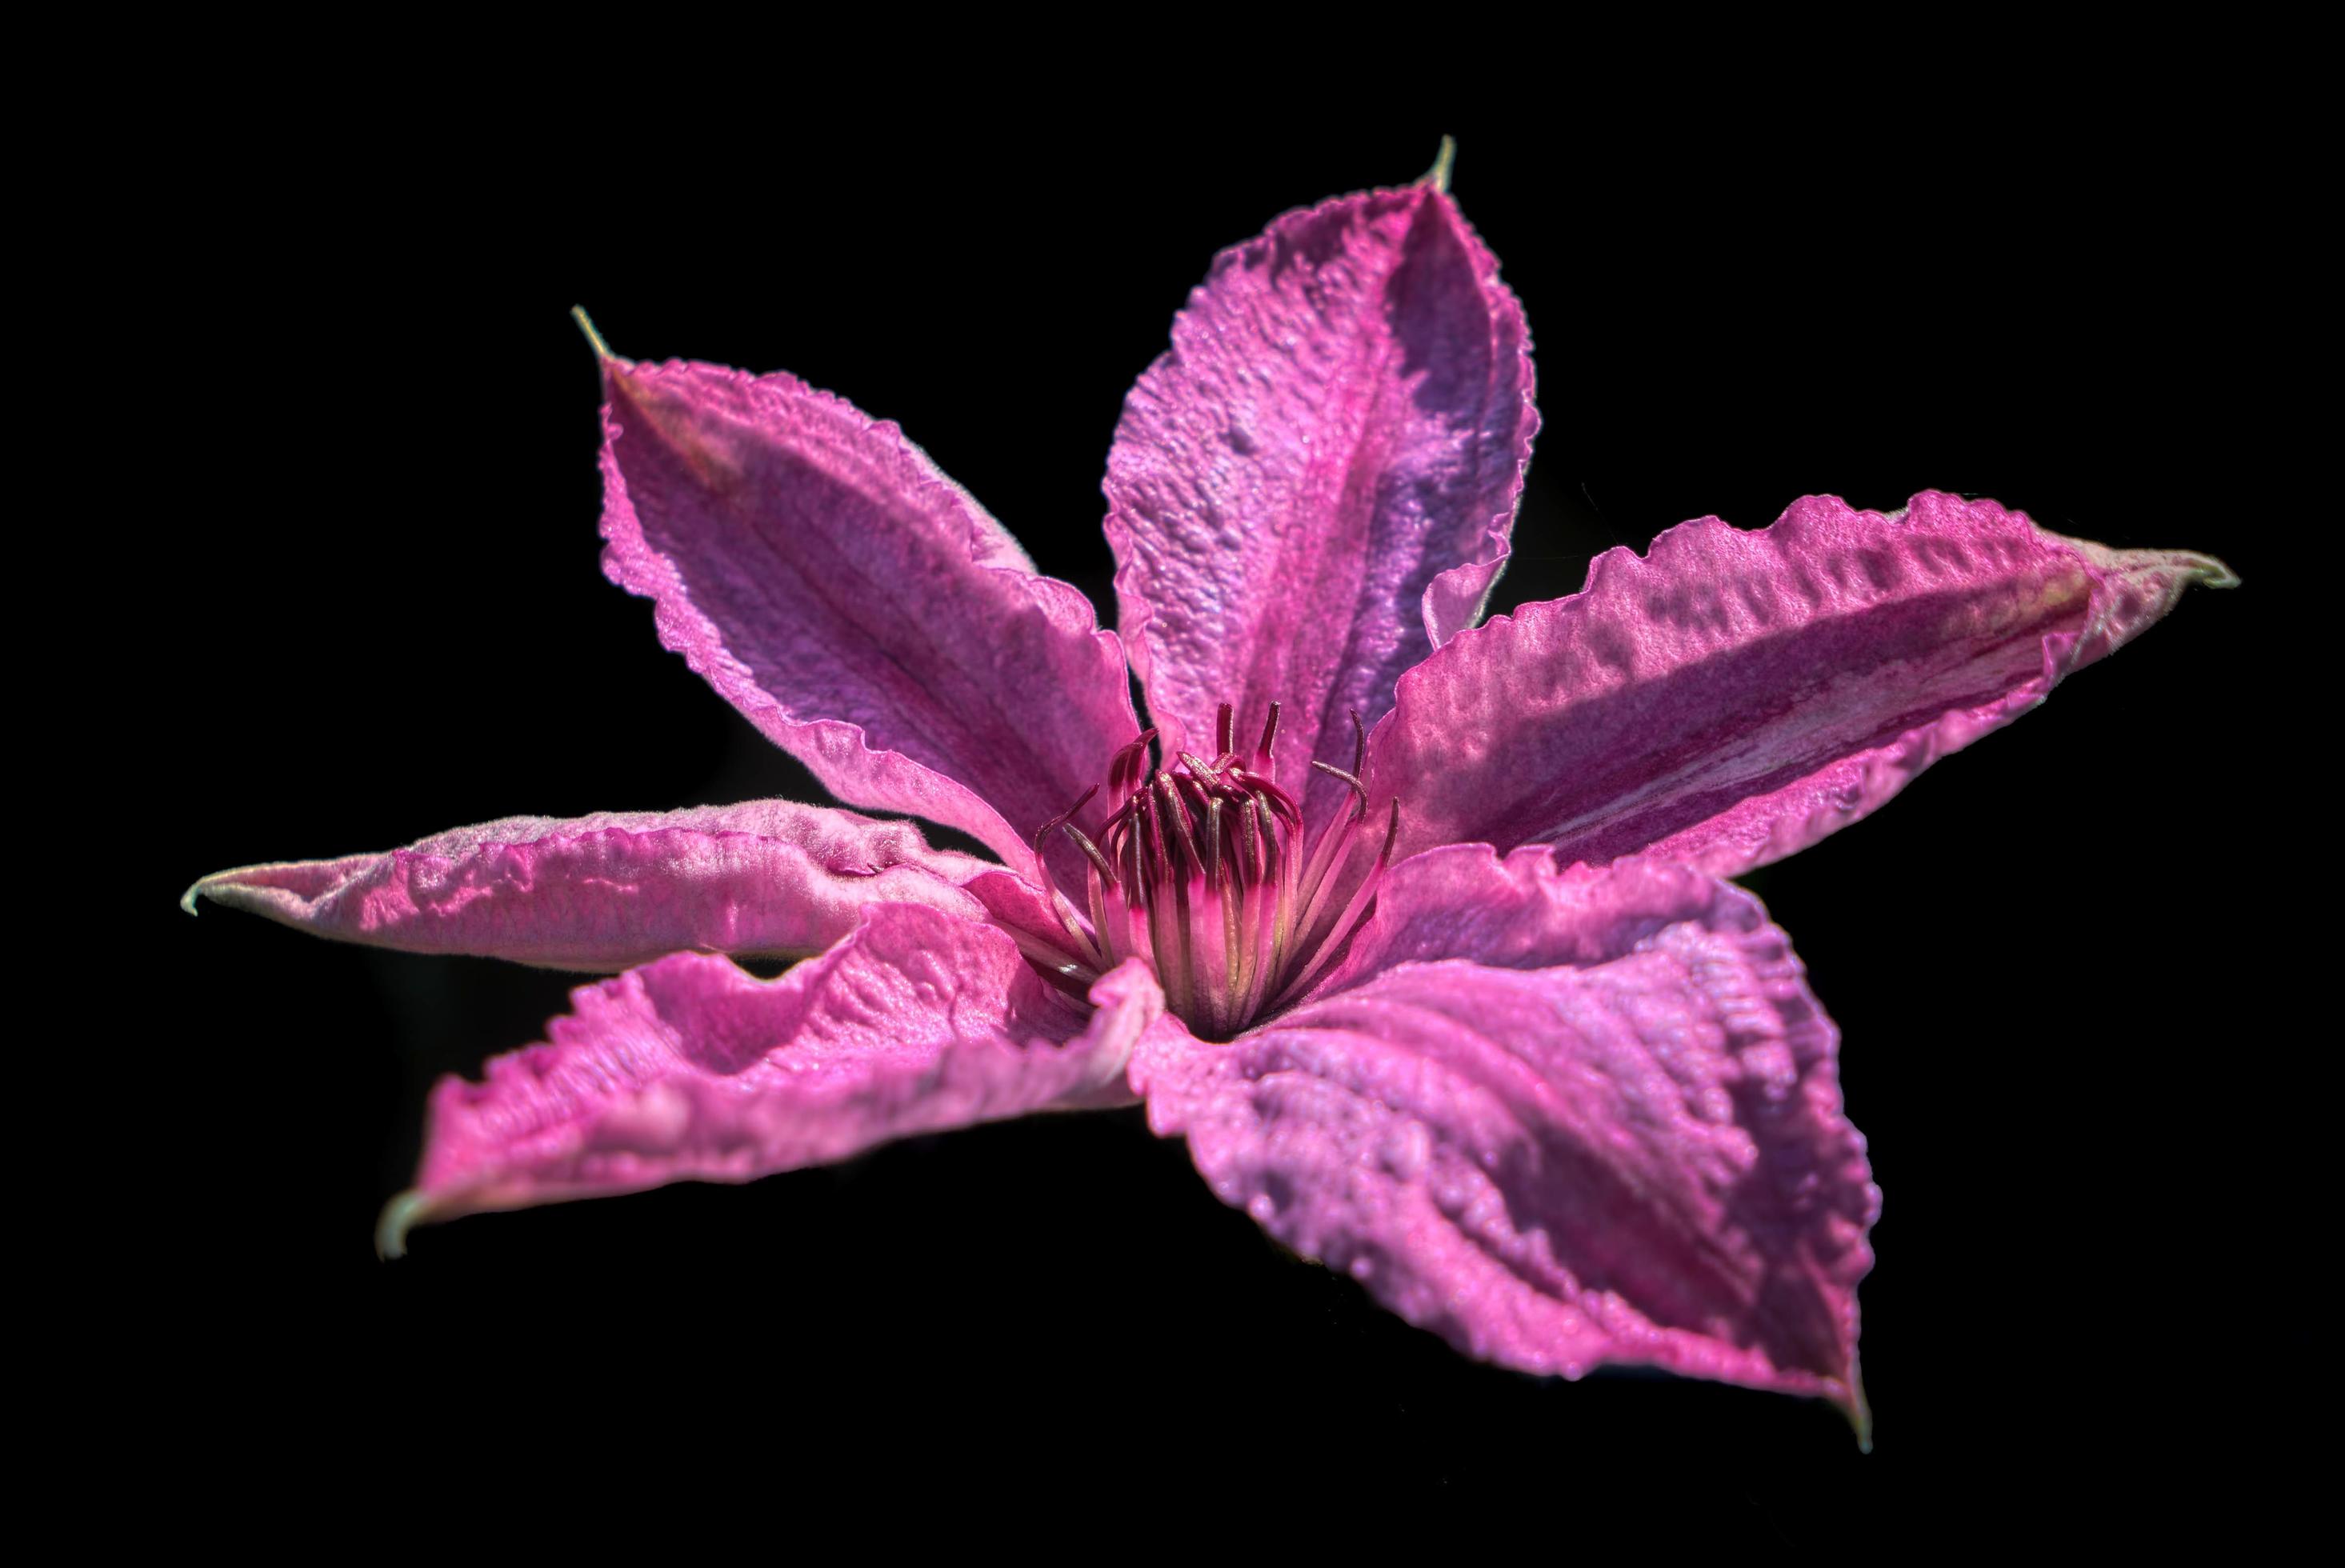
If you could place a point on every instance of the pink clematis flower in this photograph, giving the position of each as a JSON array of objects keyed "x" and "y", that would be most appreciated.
[{"x": 1412, "y": 926}]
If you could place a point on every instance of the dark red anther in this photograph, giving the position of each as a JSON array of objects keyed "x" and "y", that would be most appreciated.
[
  {"x": 1152, "y": 835},
  {"x": 1254, "y": 841},
  {"x": 1269, "y": 735},
  {"x": 1091, "y": 851},
  {"x": 1194, "y": 797},
  {"x": 1177, "y": 819},
  {"x": 1135, "y": 888}
]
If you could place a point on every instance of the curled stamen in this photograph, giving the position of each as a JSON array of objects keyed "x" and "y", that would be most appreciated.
[
  {"x": 1086, "y": 949},
  {"x": 1065, "y": 817},
  {"x": 1360, "y": 806},
  {"x": 1275, "y": 802},
  {"x": 1130, "y": 765},
  {"x": 1091, "y": 851}
]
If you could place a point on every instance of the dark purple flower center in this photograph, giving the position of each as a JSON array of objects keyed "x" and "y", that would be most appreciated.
[{"x": 1205, "y": 870}]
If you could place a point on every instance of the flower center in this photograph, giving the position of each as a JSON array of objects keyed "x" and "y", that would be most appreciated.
[{"x": 1205, "y": 870}]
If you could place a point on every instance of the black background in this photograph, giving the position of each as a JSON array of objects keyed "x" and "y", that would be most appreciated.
[{"x": 2050, "y": 974}]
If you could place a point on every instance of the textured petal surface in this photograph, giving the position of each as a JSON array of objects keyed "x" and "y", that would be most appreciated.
[
  {"x": 1316, "y": 484},
  {"x": 1734, "y": 696},
  {"x": 764, "y": 879},
  {"x": 1621, "y": 1141},
  {"x": 856, "y": 604},
  {"x": 691, "y": 1069}
]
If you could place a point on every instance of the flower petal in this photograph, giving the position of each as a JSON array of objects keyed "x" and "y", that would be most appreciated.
[
  {"x": 1317, "y": 485},
  {"x": 691, "y": 1069},
  {"x": 764, "y": 879},
  {"x": 1530, "y": 909},
  {"x": 856, "y": 604},
  {"x": 1632, "y": 1153},
  {"x": 1734, "y": 696}
]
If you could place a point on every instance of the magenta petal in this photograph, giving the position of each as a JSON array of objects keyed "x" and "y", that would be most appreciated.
[
  {"x": 1528, "y": 910},
  {"x": 764, "y": 879},
  {"x": 692, "y": 1069},
  {"x": 1734, "y": 696},
  {"x": 855, "y": 603},
  {"x": 1627, "y": 1145},
  {"x": 1317, "y": 484}
]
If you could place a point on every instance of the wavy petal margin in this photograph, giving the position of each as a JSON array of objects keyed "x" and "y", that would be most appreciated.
[
  {"x": 1622, "y": 1142},
  {"x": 1317, "y": 485},
  {"x": 1734, "y": 696},
  {"x": 857, "y": 605},
  {"x": 690, "y": 1069}
]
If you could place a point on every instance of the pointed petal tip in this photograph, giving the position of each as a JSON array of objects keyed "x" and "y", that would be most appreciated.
[
  {"x": 401, "y": 1215},
  {"x": 2185, "y": 567},
  {"x": 1850, "y": 1401},
  {"x": 222, "y": 888},
  {"x": 1860, "y": 1417},
  {"x": 593, "y": 338},
  {"x": 1859, "y": 1423},
  {"x": 2209, "y": 572},
  {"x": 1438, "y": 177}
]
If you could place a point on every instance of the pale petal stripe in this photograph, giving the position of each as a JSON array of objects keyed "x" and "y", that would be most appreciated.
[
  {"x": 766, "y": 879},
  {"x": 1733, "y": 696}
]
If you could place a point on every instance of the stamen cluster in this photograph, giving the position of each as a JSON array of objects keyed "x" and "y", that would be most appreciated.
[{"x": 1202, "y": 870}]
